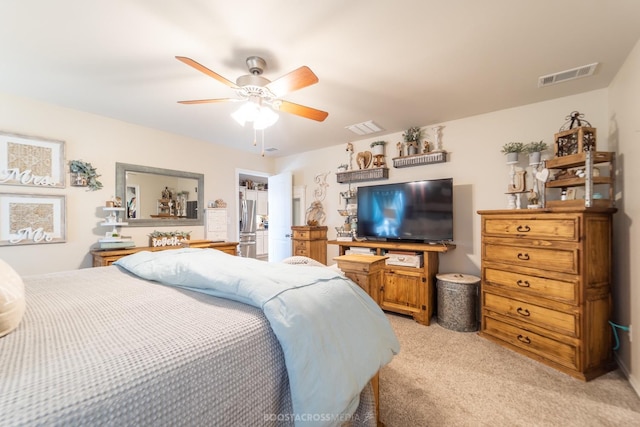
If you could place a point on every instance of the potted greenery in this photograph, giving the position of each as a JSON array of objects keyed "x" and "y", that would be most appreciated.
[
  {"x": 511, "y": 150},
  {"x": 412, "y": 139},
  {"x": 535, "y": 149},
  {"x": 83, "y": 174},
  {"x": 377, "y": 148}
]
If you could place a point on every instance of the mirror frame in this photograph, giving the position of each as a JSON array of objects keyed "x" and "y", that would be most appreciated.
[{"x": 123, "y": 168}]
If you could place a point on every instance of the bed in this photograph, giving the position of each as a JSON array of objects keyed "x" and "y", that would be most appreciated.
[{"x": 107, "y": 346}]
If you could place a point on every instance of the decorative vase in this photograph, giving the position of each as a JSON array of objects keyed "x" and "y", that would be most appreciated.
[
  {"x": 512, "y": 157},
  {"x": 534, "y": 158},
  {"x": 412, "y": 149},
  {"x": 377, "y": 150}
]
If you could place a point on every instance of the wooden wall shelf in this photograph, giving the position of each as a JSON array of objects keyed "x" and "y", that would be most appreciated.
[
  {"x": 420, "y": 159},
  {"x": 373, "y": 174}
]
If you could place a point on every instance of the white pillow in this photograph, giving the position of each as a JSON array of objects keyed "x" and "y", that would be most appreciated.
[
  {"x": 12, "y": 302},
  {"x": 302, "y": 260}
]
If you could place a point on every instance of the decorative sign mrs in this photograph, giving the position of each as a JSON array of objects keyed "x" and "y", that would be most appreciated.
[
  {"x": 26, "y": 177},
  {"x": 37, "y": 235}
]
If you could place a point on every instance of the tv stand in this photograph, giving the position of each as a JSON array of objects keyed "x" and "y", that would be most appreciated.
[{"x": 404, "y": 290}]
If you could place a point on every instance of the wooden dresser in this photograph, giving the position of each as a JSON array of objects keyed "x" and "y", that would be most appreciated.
[
  {"x": 546, "y": 286},
  {"x": 102, "y": 258},
  {"x": 309, "y": 241}
]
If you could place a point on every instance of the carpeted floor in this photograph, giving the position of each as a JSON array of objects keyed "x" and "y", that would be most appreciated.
[{"x": 447, "y": 378}]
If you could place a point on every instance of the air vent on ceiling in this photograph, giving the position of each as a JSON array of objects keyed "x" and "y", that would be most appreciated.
[
  {"x": 365, "y": 128},
  {"x": 563, "y": 76}
]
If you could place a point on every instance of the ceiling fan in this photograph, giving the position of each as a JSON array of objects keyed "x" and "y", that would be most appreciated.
[{"x": 260, "y": 91}]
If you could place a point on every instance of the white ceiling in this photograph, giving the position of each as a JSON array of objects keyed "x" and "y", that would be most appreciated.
[{"x": 400, "y": 63}]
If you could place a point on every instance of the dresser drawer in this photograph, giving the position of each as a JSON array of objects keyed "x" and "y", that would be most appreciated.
[
  {"x": 558, "y": 321},
  {"x": 303, "y": 251},
  {"x": 536, "y": 228},
  {"x": 562, "y": 353},
  {"x": 309, "y": 233},
  {"x": 561, "y": 260},
  {"x": 301, "y": 244},
  {"x": 531, "y": 285}
]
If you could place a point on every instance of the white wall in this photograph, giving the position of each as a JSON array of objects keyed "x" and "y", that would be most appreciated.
[
  {"x": 479, "y": 171},
  {"x": 103, "y": 142},
  {"x": 624, "y": 133}
]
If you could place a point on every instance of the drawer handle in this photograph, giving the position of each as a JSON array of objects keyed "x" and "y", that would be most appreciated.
[
  {"x": 524, "y": 339},
  {"x": 523, "y": 312},
  {"x": 523, "y": 228},
  {"x": 523, "y": 257},
  {"x": 523, "y": 283}
]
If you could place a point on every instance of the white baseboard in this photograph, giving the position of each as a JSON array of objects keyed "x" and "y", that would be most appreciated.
[{"x": 635, "y": 385}]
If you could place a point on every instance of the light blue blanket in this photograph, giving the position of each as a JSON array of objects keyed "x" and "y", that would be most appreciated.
[{"x": 333, "y": 335}]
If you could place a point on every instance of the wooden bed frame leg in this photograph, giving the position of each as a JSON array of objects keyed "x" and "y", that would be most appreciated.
[{"x": 375, "y": 382}]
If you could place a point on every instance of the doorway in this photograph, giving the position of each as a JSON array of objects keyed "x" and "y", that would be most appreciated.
[
  {"x": 269, "y": 246},
  {"x": 252, "y": 221}
]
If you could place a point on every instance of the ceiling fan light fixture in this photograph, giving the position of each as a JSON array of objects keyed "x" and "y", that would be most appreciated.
[
  {"x": 246, "y": 113},
  {"x": 266, "y": 118},
  {"x": 254, "y": 112}
]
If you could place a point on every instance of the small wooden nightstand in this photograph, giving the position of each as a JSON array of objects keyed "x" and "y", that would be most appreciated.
[{"x": 365, "y": 270}]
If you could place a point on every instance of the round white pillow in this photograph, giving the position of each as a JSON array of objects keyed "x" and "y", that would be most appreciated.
[
  {"x": 302, "y": 260},
  {"x": 12, "y": 301}
]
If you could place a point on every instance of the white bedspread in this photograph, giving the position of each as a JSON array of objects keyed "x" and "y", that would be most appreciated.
[{"x": 333, "y": 335}]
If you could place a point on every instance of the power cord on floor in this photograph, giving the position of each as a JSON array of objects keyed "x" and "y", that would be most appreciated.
[{"x": 615, "y": 327}]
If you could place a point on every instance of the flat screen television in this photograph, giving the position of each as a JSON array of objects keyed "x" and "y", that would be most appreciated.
[{"x": 419, "y": 211}]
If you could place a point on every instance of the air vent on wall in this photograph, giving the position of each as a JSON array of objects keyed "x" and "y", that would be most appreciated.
[{"x": 563, "y": 76}]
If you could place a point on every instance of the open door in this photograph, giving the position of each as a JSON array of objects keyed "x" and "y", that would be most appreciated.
[{"x": 280, "y": 216}]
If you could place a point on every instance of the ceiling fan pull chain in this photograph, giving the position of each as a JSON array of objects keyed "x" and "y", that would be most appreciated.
[
  {"x": 262, "y": 143},
  {"x": 254, "y": 137}
]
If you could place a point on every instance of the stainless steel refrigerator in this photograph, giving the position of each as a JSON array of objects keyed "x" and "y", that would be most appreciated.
[{"x": 247, "y": 242}]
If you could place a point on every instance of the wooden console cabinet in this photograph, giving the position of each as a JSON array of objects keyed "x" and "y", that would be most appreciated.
[
  {"x": 309, "y": 241},
  {"x": 546, "y": 286},
  {"x": 405, "y": 290},
  {"x": 103, "y": 258}
]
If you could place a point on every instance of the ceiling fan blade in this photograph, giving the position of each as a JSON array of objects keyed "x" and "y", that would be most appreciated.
[
  {"x": 209, "y": 101},
  {"x": 297, "y": 79},
  {"x": 301, "y": 110},
  {"x": 206, "y": 71}
]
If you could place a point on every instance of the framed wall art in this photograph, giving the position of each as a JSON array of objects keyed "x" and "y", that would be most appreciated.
[
  {"x": 32, "y": 219},
  {"x": 31, "y": 161}
]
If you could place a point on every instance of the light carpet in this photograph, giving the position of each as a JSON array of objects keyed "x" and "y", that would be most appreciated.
[{"x": 447, "y": 378}]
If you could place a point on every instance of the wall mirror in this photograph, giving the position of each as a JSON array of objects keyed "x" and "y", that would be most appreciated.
[{"x": 155, "y": 197}]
